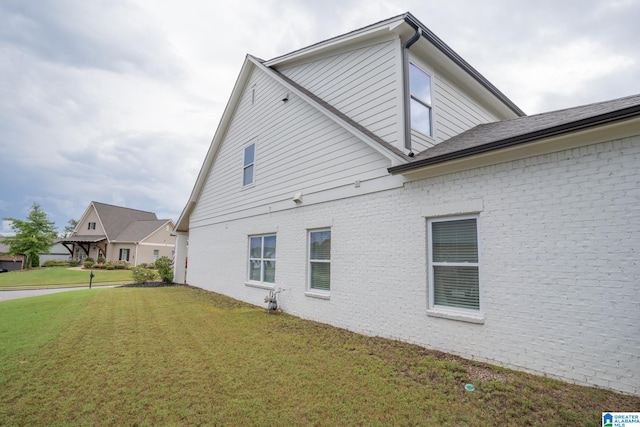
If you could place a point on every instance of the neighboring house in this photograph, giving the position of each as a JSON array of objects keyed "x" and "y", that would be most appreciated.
[
  {"x": 388, "y": 188},
  {"x": 57, "y": 252},
  {"x": 120, "y": 234},
  {"x": 10, "y": 262}
]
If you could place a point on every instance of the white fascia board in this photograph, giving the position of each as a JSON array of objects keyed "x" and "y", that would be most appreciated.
[
  {"x": 353, "y": 37},
  {"x": 183, "y": 221},
  {"x": 395, "y": 159},
  {"x": 83, "y": 217}
]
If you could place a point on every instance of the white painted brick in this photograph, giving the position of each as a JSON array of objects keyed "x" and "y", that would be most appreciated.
[{"x": 560, "y": 236}]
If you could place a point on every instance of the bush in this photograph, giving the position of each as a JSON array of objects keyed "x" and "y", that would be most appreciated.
[
  {"x": 144, "y": 275},
  {"x": 74, "y": 263},
  {"x": 120, "y": 265},
  {"x": 101, "y": 260},
  {"x": 89, "y": 259},
  {"x": 109, "y": 266},
  {"x": 163, "y": 264},
  {"x": 54, "y": 263},
  {"x": 88, "y": 264}
]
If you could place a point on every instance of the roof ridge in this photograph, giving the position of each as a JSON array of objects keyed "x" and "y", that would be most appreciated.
[{"x": 121, "y": 207}]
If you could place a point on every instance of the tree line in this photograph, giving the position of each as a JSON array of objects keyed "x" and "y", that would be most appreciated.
[{"x": 34, "y": 235}]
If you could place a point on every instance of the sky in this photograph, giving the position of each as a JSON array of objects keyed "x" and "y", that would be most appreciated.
[{"x": 117, "y": 101}]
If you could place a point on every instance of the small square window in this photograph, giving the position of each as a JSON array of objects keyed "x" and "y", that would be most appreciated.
[
  {"x": 123, "y": 255},
  {"x": 91, "y": 226}
]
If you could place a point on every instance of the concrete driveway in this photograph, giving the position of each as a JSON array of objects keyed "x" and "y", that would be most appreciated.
[{"x": 8, "y": 295}]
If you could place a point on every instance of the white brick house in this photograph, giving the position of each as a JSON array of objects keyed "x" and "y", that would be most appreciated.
[{"x": 388, "y": 188}]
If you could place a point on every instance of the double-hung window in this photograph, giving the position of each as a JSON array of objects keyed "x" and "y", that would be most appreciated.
[
  {"x": 454, "y": 279},
  {"x": 124, "y": 255},
  {"x": 320, "y": 260},
  {"x": 248, "y": 164},
  {"x": 420, "y": 88},
  {"x": 262, "y": 258}
]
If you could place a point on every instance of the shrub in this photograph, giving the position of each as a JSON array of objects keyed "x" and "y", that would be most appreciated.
[
  {"x": 143, "y": 265},
  {"x": 74, "y": 263},
  {"x": 163, "y": 264},
  {"x": 101, "y": 260},
  {"x": 54, "y": 263},
  {"x": 143, "y": 275},
  {"x": 109, "y": 266},
  {"x": 89, "y": 259},
  {"x": 88, "y": 264},
  {"x": 120, "y": 265}
]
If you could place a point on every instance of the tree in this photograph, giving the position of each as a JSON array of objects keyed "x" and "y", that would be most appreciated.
[
  {"x": 68, "y": 229},
  {"x": 33, "y": 236}
]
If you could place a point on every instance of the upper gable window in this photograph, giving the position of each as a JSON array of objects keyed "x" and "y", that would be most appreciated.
[
  {"x": 248, "y": 164},
  {"x": 91, "y": 226},
  {"x": 420, "y": 87}
]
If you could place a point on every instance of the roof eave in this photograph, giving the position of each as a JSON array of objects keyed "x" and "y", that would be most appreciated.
[
  {"x": 460, "y": 62},
  {"x": 563, "y": 129},
  {"x": 182, "y": 225}
]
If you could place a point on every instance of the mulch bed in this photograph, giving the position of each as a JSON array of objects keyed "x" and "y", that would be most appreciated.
[{"x": 150, "y": 285}]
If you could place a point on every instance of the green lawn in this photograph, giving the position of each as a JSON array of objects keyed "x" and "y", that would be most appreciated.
[
  {"x": 60, "y": 277},
  {"x": 183, "y": 356}
]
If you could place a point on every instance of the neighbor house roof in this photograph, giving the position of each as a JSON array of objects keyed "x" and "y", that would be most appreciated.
[
  {"x": 140, "y": 230},
  {"x": 84, "y": 239},
  {"x": 508, "y": 133},
  {"x": 115, "y": 219}
]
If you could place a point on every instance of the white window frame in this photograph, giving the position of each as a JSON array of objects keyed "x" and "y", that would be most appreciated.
[
  {"x": 310, "y": 261},
  {"x": 91, "y": 226},
  {"x": 423, "y": 102},
  {"x": 156, "y": 254},
  {"x": 122, "y": 252},
  {"x": 457, "y": 313},
  {"x": 251, "y": 164},
  {"x": 261, "y": 259}
]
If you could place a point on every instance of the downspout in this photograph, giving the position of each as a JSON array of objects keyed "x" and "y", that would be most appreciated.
[
  {"x": 407, "y": 88},
  {"x": 135, "y": 262}
]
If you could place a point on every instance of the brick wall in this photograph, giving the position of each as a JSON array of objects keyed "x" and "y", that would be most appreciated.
[{"x": 560, "y": 269}]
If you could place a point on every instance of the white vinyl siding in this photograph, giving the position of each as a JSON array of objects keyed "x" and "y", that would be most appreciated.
[
  {"x": 262, "y": 259},
  {"x": 454, "y": 264},
  {"x": 300, "y": 149},
  {"x": 320, "y": 260},
  {"x": 362, "y": 83}
]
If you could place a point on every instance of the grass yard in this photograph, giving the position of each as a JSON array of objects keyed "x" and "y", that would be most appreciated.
[
  {"x": 183, "y": 356},
  {"x": 47, "y": 277}
]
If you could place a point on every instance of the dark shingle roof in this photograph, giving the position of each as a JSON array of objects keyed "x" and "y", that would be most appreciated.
[
  {"x": 116, "y": 219},
  {"x": 138, "y": 230},
  {"x": 493, "y": 136}
]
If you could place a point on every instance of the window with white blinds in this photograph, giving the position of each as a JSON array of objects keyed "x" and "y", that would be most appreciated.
[
  {"x": 454, "y": 263},
  {"x": 320, "y": 260}
]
